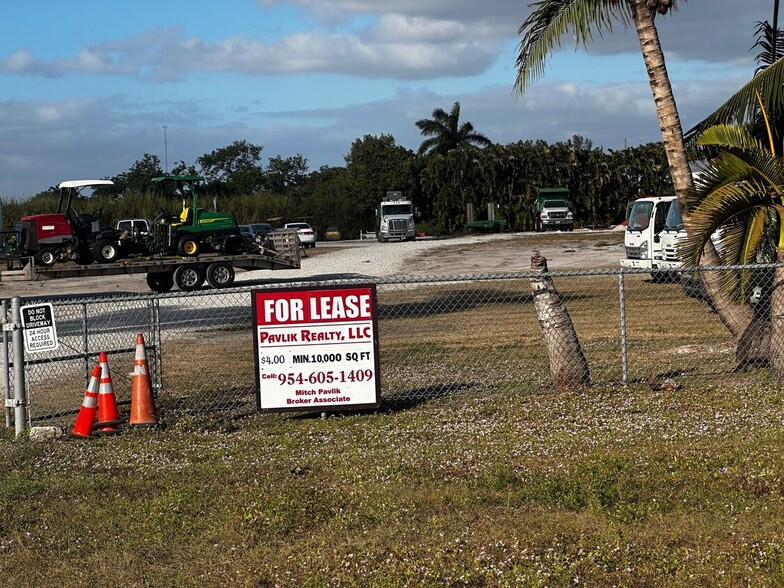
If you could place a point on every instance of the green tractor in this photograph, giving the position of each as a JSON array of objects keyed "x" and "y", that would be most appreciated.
[{"x": 196, "y": 230}]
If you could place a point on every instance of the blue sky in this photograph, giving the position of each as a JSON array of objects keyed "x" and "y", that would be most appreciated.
[{"x": 88, "y": 87}]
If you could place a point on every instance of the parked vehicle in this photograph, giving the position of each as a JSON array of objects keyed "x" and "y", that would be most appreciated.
[
  {"x": 65, "y": 234},
  {"x": 332, "y": 234},
  {"x": 261, "y": 229},
  {"x": 165, "y": 272},
  {"x": 395, "y": 218},
  {"x": 307, "y": 235},
  {"x": 247, "y": 233},
  {"x": 553, "y": 209},
  {"x": 642, "y": 239}
]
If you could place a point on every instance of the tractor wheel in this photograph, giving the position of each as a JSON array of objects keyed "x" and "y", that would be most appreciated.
[
  {"x": 188, "y": 277},
  {"x": 160, "y": 282},
  {"x": 188, "y": 246},
  {"x": 46, "y": 257},
  {"x": 220, "y": 274},
  {"x": 106, "y": 251}
]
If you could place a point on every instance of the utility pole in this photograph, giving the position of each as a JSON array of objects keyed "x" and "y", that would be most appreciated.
[{"x": 165, "y": 151}]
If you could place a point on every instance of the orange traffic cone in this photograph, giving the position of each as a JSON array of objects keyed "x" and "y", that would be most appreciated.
[
  {"x": 107, "y": 401},
  {"x": 84, "y": 422},
  {"x": 142, "y": 401}
]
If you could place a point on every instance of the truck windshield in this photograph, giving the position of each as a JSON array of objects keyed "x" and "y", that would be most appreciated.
[
  {"x": 640, "y": 217},
  {"x": 555, "y": 204},
  {"x": 674, "y": 220},
  {"x": 390, "y": 209}
]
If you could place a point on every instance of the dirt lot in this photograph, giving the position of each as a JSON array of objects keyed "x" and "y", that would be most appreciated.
[{"x": 505, "y": 253}]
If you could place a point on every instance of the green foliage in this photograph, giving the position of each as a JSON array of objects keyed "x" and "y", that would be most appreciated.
[{"x": 445, "y": 132}]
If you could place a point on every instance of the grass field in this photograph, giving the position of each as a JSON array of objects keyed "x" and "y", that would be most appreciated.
[
  {"x": 598, "y": 487},
  {"x": 480, "y": 475}
]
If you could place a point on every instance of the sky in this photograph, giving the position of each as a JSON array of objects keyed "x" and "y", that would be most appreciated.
[{"x": 88, "y": 88}]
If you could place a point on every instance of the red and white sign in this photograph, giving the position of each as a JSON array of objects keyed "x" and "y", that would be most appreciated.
[{"x": 316, "y": 348}]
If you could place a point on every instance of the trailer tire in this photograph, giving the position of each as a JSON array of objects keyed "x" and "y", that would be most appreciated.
[
  {"x": 220, "y": 274},
  {"x": 106, "y": 251},
  {"x": 46, "y": 257},
  {"x": 188, "y": 277},
  {"x": 188, "y": 246},
  {"x": 160, "y": 282}
]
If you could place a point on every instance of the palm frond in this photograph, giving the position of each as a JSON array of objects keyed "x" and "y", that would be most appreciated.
[
  {"x": 742, "y": 107},
  {"x": 551, "y": 20},
  {"x": 741, "y": 237}
]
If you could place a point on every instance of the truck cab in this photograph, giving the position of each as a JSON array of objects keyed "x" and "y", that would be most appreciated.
[
  {"x": 674, "y": 230},
  {"x": 642, "y": 240},
  {"x": 553, "y": 209},
  {"x": 395, "y": 218}
]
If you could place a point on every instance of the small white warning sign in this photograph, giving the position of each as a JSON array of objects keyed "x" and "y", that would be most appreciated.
[{"x": 40, "y": 333}]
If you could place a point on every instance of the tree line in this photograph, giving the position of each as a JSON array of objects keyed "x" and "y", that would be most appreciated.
[{"x": 451, "y": 169}]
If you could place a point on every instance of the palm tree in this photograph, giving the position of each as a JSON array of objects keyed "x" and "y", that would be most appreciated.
[
  {"x": 544, "y": 29},
  {"x": 568, "y": 365},
  {"x": 741, "y": 191},
  {"x": 447, "y": 134}
]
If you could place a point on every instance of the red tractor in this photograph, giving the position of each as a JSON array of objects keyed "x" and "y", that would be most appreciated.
[{"x": 67, "y": 235}]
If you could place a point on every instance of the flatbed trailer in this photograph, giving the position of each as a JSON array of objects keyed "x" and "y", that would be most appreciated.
[{"x": 165, "y": 272}]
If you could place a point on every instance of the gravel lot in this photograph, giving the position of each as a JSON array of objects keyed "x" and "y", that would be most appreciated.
[{"x": 476, "y": 254}]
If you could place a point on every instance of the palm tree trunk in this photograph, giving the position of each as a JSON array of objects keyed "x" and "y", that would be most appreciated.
[
  {"x": 736, "y": 319},
  {"x": 776, "y": 354},
  {"x": 568, "y": 366}
]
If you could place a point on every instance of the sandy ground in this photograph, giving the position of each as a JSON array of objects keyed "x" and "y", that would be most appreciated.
[{"x": 501, "y": 253}]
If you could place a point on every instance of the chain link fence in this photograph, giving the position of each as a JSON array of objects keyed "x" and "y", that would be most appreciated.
[{"x": 437, "y": 336}]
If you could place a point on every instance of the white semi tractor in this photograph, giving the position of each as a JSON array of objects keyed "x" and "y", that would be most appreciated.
[{"x": 395, "y": 218}]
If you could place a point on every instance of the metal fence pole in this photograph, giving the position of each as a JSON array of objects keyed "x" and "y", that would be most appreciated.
[
  {"x": 624, "y": 350},
  {"x": 6, "y": 366},
  {"x": 20, "y": 397},
  {"x": 85, "y": 345}
]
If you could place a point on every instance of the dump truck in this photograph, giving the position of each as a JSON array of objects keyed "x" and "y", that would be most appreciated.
[{"x": 553, "y": 209}]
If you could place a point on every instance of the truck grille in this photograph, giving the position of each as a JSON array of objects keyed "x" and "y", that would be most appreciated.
[
  {"x": 633, "y": 253},
  {"x": 398, "y": 225},
  {"x": 556, "y": 214},
  {"x": 670, "y": 253}
]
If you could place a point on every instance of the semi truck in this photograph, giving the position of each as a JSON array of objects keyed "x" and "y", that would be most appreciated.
[
  {"x": 395, "y": 218},
  {"x": 643, "y": 237},
  {"x": 553, "y": 209}
]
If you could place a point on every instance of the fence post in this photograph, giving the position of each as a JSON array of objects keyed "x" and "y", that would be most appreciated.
[
  {"x": 6, "y": 366},
  {"x": 624, "y": 350},
  {"x": 85, "y": 345},
  {"x": 20, "y": 397}
]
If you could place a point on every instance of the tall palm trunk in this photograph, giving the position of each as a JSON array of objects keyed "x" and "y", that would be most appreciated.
[
  {"x": 735, "y": 318},
  {"x": 568, "y": 366},
  {"x": 776, "y": 355}
]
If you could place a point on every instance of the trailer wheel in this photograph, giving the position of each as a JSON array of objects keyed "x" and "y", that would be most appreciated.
[
  {"x": 106, "y": 251},
  {"x": 160, "y": 282},
  {"x": 220, "y": 274},
  {"x": 46, "y": 257},
  {"x": 188, "y": 277},
  {"x": 188, "y": 246}
]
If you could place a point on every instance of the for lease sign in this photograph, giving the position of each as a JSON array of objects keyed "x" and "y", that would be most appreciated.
[{"x": 316, "y": 348}]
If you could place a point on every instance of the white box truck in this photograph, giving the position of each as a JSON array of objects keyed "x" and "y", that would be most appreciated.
[{"x": 643, "y": 237}]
